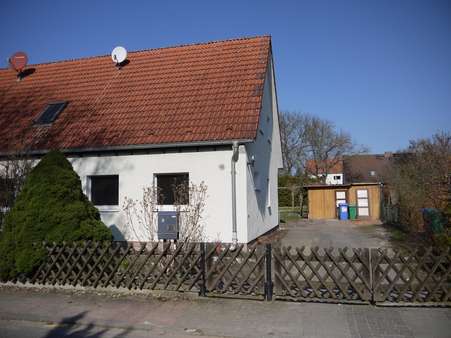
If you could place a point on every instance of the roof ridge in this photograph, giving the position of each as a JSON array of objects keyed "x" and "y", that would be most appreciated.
[{"x": 152, "y": 49}]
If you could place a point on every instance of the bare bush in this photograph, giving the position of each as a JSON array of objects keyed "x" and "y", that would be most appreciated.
[
  {"x": 420, "y": 178},
  {"x": 13, "y": 172},
  {"x": 189, "y": 202},
  {"x": 141, "y": 215},
  {"x": 191, "y": 225}
]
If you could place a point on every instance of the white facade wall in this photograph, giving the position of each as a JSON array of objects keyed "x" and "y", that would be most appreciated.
[
  {"x": 331, "y": 179},
  {"x": 137, "y": 171},
  {"x": 264, "y": 158},
  {"x": 334, "y": 179}
]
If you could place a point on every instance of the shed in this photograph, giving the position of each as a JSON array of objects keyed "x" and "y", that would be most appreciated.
[{"x": 323, "y": 200}]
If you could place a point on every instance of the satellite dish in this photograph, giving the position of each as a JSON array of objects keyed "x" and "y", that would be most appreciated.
[
  {"x": 119, "y": 55},
  {"x": 18, "y": 61}
]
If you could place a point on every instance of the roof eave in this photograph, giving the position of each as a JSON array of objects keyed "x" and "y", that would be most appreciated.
[{"x": 133, "y": 147}]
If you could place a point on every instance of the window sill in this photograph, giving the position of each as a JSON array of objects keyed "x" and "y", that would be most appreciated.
[{"x": 108, "y": 208}]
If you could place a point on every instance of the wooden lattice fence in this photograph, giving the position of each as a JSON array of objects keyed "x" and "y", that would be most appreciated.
[
  {"x": 420, "y": 275},
  {"x": 383, "y": 275},
  {"x": 335, "y": 275},
  {"x": 198, "y": 267},
  {"x": 235, "y": 272},
  {"x": 162, "y": 266}
]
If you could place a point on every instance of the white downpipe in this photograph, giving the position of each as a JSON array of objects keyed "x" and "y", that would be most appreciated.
[{"x": 235, "y": 155}]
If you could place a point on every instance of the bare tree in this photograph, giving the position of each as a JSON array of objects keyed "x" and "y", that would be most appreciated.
[
  {"x": 293, "y": 134},
  {"x": 326, "y": 145},
  {"x": 309, "y": 138}
]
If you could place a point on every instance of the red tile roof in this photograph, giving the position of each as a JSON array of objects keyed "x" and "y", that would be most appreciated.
[
  {"x": 334, "y": 167},
  {"x": 191, "y": 93}
]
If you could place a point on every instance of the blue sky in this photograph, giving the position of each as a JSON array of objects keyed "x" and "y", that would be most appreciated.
[{"x": 379, "y": 69}]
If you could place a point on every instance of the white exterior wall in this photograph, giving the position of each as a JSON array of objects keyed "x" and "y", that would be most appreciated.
[
  {"x": 330, "y": 179},
  {"x": 137, "y": 171},
  {"x": 264, "y": 161}
]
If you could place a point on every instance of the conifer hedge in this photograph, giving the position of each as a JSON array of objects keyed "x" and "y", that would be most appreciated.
[{"x": 51, "y": 207}]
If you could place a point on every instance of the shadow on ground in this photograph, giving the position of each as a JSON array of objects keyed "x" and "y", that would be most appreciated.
[{"x": 73, "y": 328}]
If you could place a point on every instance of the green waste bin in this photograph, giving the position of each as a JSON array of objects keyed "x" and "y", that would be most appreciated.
[
  {"x": 434, "y": 220},
  {"x": 352, "y": 211}
]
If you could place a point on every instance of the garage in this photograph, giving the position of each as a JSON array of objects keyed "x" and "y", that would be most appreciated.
[{"x": 323, "y": 200}]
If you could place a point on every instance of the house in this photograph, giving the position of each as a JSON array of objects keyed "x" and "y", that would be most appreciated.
[
  {"x": 331, "y": 171},
  {"x": 195, "y": 113},
  {"x": 367, "y": 167}
]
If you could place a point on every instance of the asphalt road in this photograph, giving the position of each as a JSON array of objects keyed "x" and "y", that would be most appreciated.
[{"x": 45, "y": 314}]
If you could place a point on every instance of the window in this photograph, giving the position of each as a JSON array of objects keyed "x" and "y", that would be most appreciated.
[
  {"x": 7, "y": 192},
  {"x": 362, "y": 203},
  {"x": 105, "y": 189},
  {"x": 173, "y": 188},
  {"x": 372, "y": 173},
  {"x": 268, "y": 197},
  {"x": 51, "y": 112},
  {"x": 336, "y": 177},
  {"x": 340, "y": 197}
]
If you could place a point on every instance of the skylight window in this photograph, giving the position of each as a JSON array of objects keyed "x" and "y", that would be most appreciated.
[{"x": 51, "y": 112}]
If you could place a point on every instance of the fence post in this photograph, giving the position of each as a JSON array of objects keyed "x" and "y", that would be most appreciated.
[
  {"x": 369, "y": 275},
  {"x": 203, "y": 263},
  {"x": 268, "y": 273}
]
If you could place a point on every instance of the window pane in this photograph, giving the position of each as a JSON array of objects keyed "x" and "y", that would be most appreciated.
[
  {"x": 363, "y": 212},
  {"x": 173, "y": 189},
  {"x": 51, "y": 112},
  {"x": 362, "y": 193},
  {"x": 362, "y": 202},
  {"x": 340, "y": 194},
  {"x": 340, "y": 201},
  {"x": 105, "y": 190}
]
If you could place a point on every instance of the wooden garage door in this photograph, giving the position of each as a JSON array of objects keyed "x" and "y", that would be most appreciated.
[{"x": 363, "y": 206}]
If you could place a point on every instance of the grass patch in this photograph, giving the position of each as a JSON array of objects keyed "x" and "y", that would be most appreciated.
[
  {"x": 289, "y": 214},
  {"x": 398, "y": 235}
]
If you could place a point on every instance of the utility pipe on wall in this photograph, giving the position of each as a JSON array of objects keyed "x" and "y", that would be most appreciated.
[{"x": 235, "y": 155}]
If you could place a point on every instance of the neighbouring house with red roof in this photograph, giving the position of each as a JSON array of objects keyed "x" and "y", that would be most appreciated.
[
  {"x": 330, "y": 171},
  {"x": 193, "y": 113}
]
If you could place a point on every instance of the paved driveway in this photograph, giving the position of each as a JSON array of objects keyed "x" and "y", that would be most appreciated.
[{"x": 327, "y": 233}]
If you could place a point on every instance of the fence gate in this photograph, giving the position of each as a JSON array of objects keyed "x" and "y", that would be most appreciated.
[
  {"x": 235, "y": 270},
  {"x": 333, "y": 275}
]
